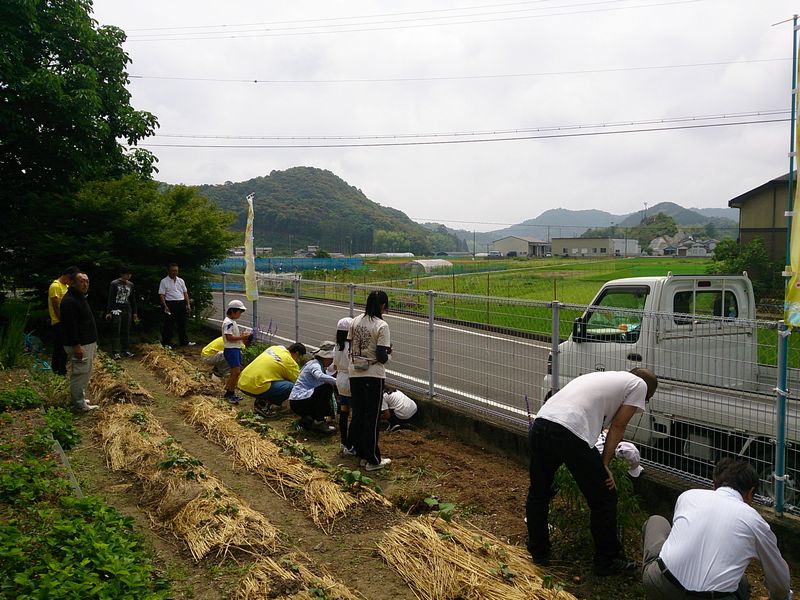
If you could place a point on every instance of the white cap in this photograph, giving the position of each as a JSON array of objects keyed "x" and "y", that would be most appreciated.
[
  {"x": 237, "y": 304},
  {"x": 344, "y": 324},
  {"x": 631, "y": 454}
]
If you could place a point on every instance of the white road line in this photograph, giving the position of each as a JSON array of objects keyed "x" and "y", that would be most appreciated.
[{"x": 438, "y": 325}]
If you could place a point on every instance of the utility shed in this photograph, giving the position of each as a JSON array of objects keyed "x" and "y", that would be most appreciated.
[{"x": 430, "y": 264}]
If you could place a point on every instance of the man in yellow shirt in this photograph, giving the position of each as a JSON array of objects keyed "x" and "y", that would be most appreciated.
[
  {"x": 55, "y": 293},
  {"x": 213, "y": 356},
  {"x": 271, "y": 376}
]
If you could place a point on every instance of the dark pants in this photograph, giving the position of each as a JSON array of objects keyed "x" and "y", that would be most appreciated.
[
  {"x": 367, "y": 395},
  {"x": 176, "y": 319},
  {"x": 552, "y": 445},
  {"x": 59, "y": 361},
  {"x": 120, "y": 331},
  {"x": 314, "y": 408},
  {"x": 395, "y": 420}
]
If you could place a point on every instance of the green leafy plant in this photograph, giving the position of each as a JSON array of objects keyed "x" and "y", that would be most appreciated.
[
  {"x": 444, "y": 510},
  {"x": 61, "y": 424},
  {"x": 139, "y": 418},
  {"x": 13, "y": 318},
  {"x": 22, "y": 396},
  {"x": 352, "y": 480},
  {"x": 504, "y": 571},
  {"x": 179, "y": 460}
]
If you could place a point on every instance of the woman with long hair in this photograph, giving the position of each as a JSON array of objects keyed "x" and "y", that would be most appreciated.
[{"x": 370, "y": 347}]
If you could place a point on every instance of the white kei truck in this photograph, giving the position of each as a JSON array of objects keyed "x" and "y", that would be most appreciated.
[{"x": 716, "y": 394}]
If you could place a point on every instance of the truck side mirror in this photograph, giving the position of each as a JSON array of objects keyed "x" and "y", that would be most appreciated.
[{"x": 579, "y": 330}]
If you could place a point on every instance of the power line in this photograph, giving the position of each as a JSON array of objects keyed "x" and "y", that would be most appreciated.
[
  {"x": 372, "y": 16},
  {"x": 461, "y": 141},
  {"x": 288, "y": 32},
  {"x": 460, "y": 77},
  {"x": 551, "y": 225},
  {"x": 694, "y": 118}
]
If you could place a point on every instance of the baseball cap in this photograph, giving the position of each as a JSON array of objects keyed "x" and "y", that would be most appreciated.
[{"x": 237, "y": 304}]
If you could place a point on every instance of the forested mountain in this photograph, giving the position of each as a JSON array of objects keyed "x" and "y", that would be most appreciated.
[
  {"x": 561, "y": 222},
  {"x": 305, "y": 206}
]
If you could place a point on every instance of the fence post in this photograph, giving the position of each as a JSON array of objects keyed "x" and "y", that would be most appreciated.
[
  {"x": 555, "y": 338},
  {"x": 296, "y": 309},
  {"x": 431, "y": 313},
  {"x": 780, "y": 421},
  {"x": 352, "y": 287},
  {"x": 224, "y": 304}
]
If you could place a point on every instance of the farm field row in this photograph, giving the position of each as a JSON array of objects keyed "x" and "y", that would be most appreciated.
[{"x": 230, "y": 505}]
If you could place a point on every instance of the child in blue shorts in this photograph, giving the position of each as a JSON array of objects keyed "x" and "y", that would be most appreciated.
[{"x": 232, "y": 350}]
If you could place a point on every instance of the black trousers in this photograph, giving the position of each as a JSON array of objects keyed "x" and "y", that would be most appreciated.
[
  {"x": 317, "y": 406},
  {"x": 367, "y": 395},
  {"x": 59, "y": 360},
  {"x": 175, "y": 320},
  {"x": 552, "y": 445}
]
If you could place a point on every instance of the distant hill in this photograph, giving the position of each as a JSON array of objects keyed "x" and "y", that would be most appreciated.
[
  {"x": 305, "y": 206},
  {"x": 561, "y": 222}
]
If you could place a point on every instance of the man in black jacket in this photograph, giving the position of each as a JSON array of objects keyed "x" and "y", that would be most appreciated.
[{"x": 80, "y": 339}]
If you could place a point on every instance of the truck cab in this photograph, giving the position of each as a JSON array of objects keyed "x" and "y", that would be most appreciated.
[{"x": 690, "y": 328}]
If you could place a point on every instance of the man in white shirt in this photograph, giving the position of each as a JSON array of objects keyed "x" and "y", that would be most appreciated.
[
  {"x": 176, "y": 304},
  {"x": 714, "y": 536},
  {"x": 564, "y": 432}
]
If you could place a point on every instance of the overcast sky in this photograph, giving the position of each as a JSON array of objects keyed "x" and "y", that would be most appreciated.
[{"x": 415, "y": 71}]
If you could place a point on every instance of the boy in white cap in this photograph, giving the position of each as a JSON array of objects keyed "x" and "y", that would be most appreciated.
[{"x": 233, "y": 347}]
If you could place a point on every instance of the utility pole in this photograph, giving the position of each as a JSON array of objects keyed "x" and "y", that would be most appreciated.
[{"x": 474, "y": 246}]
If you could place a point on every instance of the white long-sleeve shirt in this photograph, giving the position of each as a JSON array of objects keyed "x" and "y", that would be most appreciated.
[{"x": 715, "y": 535}]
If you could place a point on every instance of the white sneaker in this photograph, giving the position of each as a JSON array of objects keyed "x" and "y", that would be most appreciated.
[
  {"x": 86, "y": 407},
  {"x": 380, "y": 465},
  {"x": 347, "y": 451}
]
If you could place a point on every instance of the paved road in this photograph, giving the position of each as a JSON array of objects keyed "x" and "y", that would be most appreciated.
[{"x": 483, "y": 370}]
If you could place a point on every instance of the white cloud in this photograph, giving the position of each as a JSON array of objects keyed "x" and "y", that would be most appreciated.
[{"x": 483, "y": 182}]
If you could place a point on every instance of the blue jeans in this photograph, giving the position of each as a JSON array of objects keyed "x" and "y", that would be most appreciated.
[{"x": 277, "y": 393}]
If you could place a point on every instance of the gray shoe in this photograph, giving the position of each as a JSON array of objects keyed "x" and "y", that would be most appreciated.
[
  {"x": 384, "y": 462},
  {"x": 86, "y": 407}
]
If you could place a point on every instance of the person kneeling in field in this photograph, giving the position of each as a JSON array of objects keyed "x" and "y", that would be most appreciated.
[
  {"x": 270, "y": 377},
  {"x": 311, "y": 395},
  {"x": 397, "y": 408},
  {"x": 213, "y": 356}
]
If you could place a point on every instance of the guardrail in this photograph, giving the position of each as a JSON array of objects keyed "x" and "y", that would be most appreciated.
[{"x": 500, "y": 358}]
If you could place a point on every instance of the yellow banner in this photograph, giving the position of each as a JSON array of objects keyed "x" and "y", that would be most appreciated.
[{"x": 250, "y": 284}]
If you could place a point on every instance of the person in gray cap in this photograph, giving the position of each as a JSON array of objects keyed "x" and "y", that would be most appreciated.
[{"x": 311, "y": 395}]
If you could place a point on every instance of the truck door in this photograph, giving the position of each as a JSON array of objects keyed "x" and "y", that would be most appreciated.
[
  {"x": 609, "y": 335},
  {"x": 701, "y": 337}
]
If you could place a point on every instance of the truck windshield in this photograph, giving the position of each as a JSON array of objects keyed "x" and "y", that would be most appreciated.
[{"x": 616, "y": 315}]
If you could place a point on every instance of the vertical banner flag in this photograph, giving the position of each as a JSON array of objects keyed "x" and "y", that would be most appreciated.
[
  {"x": 250, "y": 285},
  {"x": 792, "y": 301}
]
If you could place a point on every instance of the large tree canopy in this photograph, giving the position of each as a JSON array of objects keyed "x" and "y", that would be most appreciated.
[
  {"x": 63, "y": 110},
  {"x": 132, "y": 222}
]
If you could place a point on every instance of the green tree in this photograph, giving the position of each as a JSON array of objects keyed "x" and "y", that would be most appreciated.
[
  {"x": 63, "y": 109},
  {"x": 131, "y": 221},
  {"x": 732, "y": 258}
]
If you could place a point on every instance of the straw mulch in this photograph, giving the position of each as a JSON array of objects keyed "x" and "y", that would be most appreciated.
[
  {"x": 111, "y": 384},
  {"x": 180, "y": 377},
  {"x": 326, "y": 500},
  {"x": 448, "y": 561},
  {"x": 289, "y": 577},
  {"x": 189, "y": 501}
]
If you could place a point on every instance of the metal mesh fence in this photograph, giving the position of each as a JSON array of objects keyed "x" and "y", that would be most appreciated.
[{"x": 500, "y": 358}]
